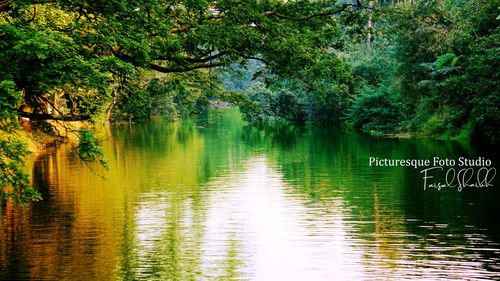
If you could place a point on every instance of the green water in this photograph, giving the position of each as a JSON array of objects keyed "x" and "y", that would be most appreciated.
[{"x": 215, "y": 199}]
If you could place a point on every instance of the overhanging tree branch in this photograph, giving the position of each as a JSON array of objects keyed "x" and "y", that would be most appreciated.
[
  {"x": 197, "y": 63},
  {"x": 164, "y": 69},
  {"x": 199, "y": 59},
  {"x": 206, "y": 59},
  {"x": 304, "y": 18},
  {"x": 257, "y": 58},
  {"x": 331, "y": 12},
  {"x": 45, "y": 116}
]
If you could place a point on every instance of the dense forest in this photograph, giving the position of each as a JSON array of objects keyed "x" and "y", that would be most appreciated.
[{"x": 427, "y": 68}]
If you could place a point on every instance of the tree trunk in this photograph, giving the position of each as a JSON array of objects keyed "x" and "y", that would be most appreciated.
[
  {"x": 110, "y": 109},
  {"x": 4, "y": 5},
  {"x": 369, "y": 38},
  {"x": 113, "y": 102}
]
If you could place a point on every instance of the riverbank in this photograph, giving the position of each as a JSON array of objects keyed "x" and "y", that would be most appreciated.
[{"x": 38, "y": 140}]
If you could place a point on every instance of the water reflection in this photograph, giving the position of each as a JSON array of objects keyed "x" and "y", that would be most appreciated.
[{"x": 218, "y": 200}]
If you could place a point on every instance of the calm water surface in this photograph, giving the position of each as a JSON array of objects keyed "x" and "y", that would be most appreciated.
[{"x": 214, "y": 199}]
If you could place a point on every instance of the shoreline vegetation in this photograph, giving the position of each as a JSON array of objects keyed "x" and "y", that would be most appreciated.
[{"x": 388, "y": 68}]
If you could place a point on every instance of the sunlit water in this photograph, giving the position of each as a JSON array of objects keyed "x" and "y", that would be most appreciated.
[{"x": 214, "y": 199}]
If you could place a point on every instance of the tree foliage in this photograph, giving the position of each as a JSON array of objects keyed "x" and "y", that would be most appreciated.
[
  {"x": 445, "y": 75},
  {"x": 322, "y": 93},
  {"x": 74, "y": 51}
]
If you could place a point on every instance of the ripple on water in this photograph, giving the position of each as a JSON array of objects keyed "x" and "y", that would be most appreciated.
[{"x": 228, "y": 202}]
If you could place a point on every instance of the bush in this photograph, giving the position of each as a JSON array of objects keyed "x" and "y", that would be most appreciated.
[
  {"x": 14, "y": 183},
  {"x": 375, "y": 109},
  {"x": 290, "y": 106},
  {"x": 89, "y": 149},
  {"x": 260, "y": 104}
]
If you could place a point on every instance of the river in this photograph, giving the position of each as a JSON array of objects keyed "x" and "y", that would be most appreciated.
[{"x": 216, "y": 199}]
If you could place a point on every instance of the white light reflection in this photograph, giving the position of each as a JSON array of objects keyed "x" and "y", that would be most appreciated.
[{"x": 277, "y": 238}]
